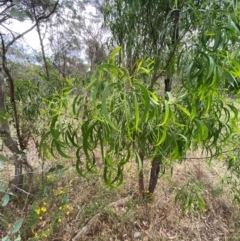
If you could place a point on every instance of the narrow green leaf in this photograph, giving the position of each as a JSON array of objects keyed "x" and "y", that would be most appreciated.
[
  {"x": 201, "y": 203},
  {"x": 189, "y": 72},
  {"x": 108, "y": 161},
  {"x": 115, "y": 52},
  {"x": 29, "y": 14},
  {"x": 58, "y": 166},
  {"x": 119, "y": 178},
  {"x": 166, "y": 114},
  {"x": 75, "y": 104},
  {"x": 234, "y": 110},
  {"x": 1, "y": 166},
  {"x": 91, "y": 164},
  {"x": 52, "y": 148},
  {"x": 139, "y": 65},
  {"x": 16, "y": 227},
  {"x": 201, "y": 131},
  {"x": 5, "y": 199},
  {"x": 14, "y": 12},
  {"x": 3, "y": 188},
  {"x": 18, "y": 238},
  {"x": 104, "y": 105},
  {"x": 52, "y": 169},
  {"x": 108, "y": 68},
  {"x": 139, "y": 162},
  {"x": 3, "y": 158},
  {"x": 136, "y": 113},
  {"x": 193, "y": 111},
  {"x": 54, "y": 131},
  {"x": 60, "y": 151},
  {"x": 71, "y": 136},
  {"x": 16, "y": 2},
  {"x": 126, "y": 159},
  {"x": 106, "y": 177},
  {"x": 184, "y": 110},
  {"x": 79, "y": 163},
  {"x": 6, "y": 238},
  {"x": 211, "y": 65},
  {"x": 146, "y": 100},
  {"x": 95, "y": 92},
  {"x": 163, "y": 137}
]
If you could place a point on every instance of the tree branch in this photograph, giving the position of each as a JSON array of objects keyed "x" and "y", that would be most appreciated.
[
  {"x": 154, "y": 79},
  {"x": 94, "y": 218},
  {"x": 30, "y": 29}
]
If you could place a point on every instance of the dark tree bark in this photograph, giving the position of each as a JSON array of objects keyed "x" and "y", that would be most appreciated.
[
  {"x": 154, "y": 174},
  {"x": 156, "y": 164}
]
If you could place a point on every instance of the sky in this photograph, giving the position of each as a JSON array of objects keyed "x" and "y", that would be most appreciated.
[{"x": 31, "y": 39}]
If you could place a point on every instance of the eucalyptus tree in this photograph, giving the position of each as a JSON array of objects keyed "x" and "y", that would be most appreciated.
[
  {"x": 38, "y": 9},
  {"x": 15, "y": 11},
  {"x": 76, "y": 38},
  {"x": 95, "y": 36},
  {"x": 127, "y": 117},
  {"x": 65, "y": 31}
]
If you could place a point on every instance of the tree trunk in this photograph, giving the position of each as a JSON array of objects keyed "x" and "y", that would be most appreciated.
[
  {"x": 43, "y": 51},
  {"x": 156, "y": 164},
  {"x": 8, "y": 141},
  {"x": 154, "y": 174}
]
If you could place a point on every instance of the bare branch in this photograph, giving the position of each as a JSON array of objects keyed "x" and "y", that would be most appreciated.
[{"x": 30, "y": 29}]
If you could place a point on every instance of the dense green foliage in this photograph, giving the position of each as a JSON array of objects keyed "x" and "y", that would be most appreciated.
[
  {"x": 170, "y": 85},
  {"x": 128, "y": 115}
]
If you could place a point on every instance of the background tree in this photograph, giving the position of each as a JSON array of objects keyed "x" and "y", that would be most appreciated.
[
  {"x": 18, "y": 11},
  {"x": 38, "y": 9},
  {"x": 65, "y": 39}
]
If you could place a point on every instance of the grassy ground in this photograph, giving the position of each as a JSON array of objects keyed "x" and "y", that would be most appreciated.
[{"x": 63, "y": 206}]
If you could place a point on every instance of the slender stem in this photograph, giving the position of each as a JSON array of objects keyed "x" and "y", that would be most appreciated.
[{"x": 43, "y": 51}]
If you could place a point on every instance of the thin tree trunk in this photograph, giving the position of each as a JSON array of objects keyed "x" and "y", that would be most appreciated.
[
  {"x": 156, "y": 164},
  {"x": 154, "y": 174},
  {"x": 43, "y": 51},
  {"x": 8, "y": 141}
]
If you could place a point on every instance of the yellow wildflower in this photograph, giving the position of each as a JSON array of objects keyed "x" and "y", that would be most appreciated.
[
  {"x": 59, "y": 220},
  {"x": 40, "y": 218},
  {"x": 66, "y": 206},
  {"x": 61, "y": 192},
  {"x": 38, "y": 211},
  {"x": 67, "y": 213},
  {"x": 44, "y": 204},
  {"x": 44, "y": 209},
  {"x": 60, "y": 208}
]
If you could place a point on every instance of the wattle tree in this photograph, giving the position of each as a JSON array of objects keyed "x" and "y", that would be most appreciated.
[{"x": 160, "y": 94}]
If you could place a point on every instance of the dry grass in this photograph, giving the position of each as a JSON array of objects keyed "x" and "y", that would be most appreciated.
[{"x": 71, "y": 202}]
